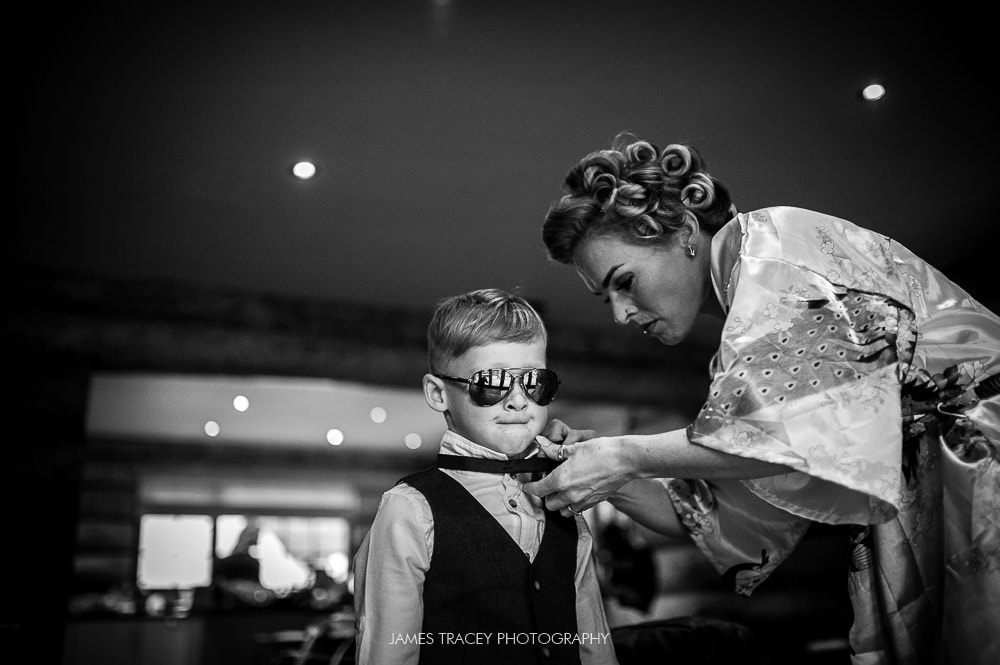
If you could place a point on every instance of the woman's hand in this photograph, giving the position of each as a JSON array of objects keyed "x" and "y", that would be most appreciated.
[
  {"x": 592, "y": 471},
  {"x": 559, "y": 432}
]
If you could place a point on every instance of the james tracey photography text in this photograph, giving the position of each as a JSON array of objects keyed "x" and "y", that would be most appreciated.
[{"x": 500, "y": 638}]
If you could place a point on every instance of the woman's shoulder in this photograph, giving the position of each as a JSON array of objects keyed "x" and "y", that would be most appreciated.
[
  {"x": 815, "y": 250},
  {"x": 780, "y": 231},
  {"x": 793, "y": 220}
]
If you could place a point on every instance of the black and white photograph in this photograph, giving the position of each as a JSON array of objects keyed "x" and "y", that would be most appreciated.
[{"x": 481, "y": 332}]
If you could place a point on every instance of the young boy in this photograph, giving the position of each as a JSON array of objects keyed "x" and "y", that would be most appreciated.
[{"x": 461, "y": 565}]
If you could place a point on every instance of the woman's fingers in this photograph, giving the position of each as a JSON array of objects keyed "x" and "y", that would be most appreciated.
[
  {"x": 556, "y": 451},
  {"x": 559, "y": 502},
  {"x": 577, "y": 435},
  {"x": 567, "y": 488},
  {"x": 559, "y": 432},
  {"x": 556, "y": 430},
  {"x": 551, "y": 491},
  {"x": 546, "y": 446},
  {"x": 542, "y": 488}
]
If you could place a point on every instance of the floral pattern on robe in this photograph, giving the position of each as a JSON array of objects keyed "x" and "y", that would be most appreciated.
[{"x": 846, "y": 358}]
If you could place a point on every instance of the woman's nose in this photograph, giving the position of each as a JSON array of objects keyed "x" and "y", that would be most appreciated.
[{"x": 622, "y": 309}]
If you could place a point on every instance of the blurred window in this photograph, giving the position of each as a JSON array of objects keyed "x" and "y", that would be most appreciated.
[
  {"x": 174, "y": 551},
  {"x": 287, "y": 552}
]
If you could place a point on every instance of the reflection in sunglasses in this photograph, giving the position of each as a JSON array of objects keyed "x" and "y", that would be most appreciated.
[{"x": 490, "y": 386}]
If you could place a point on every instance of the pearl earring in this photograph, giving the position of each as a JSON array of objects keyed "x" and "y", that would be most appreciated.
[{"x": 690, "y": 250}]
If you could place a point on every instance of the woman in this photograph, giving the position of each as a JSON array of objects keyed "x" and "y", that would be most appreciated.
[{"x": 853, "y": 384}]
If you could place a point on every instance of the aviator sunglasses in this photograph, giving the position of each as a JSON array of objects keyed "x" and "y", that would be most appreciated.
[{"x": 490, "y": 386}]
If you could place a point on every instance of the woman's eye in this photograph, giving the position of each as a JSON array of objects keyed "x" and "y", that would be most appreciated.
[{"x": 625, "y": 284}]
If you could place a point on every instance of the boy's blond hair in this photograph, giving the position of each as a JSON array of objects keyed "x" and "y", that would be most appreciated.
[{"x": 477, "y": 318}]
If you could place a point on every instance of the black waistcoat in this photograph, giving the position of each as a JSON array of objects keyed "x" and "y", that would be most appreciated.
[{"x": 481, "y": 582}]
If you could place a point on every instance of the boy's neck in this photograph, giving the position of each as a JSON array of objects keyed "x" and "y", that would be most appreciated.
[{"x": 521, "y": 454}]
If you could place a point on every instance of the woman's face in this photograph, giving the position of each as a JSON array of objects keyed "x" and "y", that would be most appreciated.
[{"x": 659, "y": 289}]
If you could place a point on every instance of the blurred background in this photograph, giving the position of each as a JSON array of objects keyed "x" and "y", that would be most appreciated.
[{"x": 215, "y": 351}]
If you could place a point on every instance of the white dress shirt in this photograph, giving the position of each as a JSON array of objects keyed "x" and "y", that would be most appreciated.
[{"x": 390, "y": 566}]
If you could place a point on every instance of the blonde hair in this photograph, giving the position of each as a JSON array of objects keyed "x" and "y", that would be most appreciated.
[
  {"x": 480, "y": 317},
  {"x": 636, "y": 191}
]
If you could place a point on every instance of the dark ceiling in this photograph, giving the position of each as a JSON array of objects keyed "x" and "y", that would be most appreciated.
[{"x": 154, "y": 141}]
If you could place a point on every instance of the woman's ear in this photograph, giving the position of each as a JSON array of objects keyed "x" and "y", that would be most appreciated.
[
  {"x": 689, "y": 235},
  {"x": 435, "y": 394}
]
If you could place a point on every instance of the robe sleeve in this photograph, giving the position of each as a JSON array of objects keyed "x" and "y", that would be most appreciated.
[
  {"x": 744, "y": 537},
  {"x": 807, "y": 375}
]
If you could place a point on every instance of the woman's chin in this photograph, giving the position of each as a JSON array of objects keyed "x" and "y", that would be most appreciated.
[
  {"x": 671, "y": 342},
  {"x": 670, "y": 333},
  {"x": 668, "y": 337}
]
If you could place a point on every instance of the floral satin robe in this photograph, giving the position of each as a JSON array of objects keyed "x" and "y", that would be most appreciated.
[{"x": 847, "y": 358}]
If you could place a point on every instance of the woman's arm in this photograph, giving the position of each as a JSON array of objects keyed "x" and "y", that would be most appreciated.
[
  {"x": 594, "y": 469},
  {"x": 646, "y": 501},
  {"x": 672, "y": 455}
]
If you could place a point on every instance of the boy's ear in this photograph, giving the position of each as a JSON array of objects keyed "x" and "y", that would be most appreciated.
[{"x": 434, "y": 393}]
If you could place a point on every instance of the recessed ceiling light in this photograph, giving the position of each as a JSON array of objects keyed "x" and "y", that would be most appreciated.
[
  {"x": 413, "y": 441},
  {"x": 241, "y": 403},
  {"x": 873, "y": 92},
  {"x": 334, "y": 437},
  {"x": 378, "y": 415},
  {"x": 212, "y": 428},
  {"x": 304, "y": 170}
]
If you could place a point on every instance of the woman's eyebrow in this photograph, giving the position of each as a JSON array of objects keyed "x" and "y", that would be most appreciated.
[{"x": 611, "y": 273}]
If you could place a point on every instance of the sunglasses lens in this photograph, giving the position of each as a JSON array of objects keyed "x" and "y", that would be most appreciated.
[
  {"x": 541, "y": 385},
  {"x": 489, "y": 387}
]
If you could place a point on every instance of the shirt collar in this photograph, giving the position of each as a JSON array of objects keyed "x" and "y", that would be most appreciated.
[{"x": 456, "y": 444}]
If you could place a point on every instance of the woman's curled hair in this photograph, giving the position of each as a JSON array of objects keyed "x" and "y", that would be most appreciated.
[{"x": 636, "y": 191}]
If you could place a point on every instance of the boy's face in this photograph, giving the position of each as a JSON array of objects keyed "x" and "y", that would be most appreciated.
[{"x": 509, "y": 425}]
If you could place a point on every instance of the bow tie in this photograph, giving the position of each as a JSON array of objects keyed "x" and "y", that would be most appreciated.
[{"x": 529, "y": 465}]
